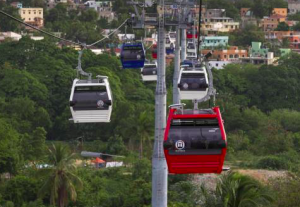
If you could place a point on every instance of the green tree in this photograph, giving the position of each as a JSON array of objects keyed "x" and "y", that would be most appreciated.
[
  {"x": 231, "y": 10},
  {"x": 244, "y": 37},
  {"x": 60, "y": 183},
  {"x": 294, "y": 17},
  {"x": 271, "y": 4},
  {"x": 9, "y": 148},
  {"x": 285, "y": 43},
  {"x": 21, "y": 189},
  {"x": 244, "y": 4},
  {"x": 144, "y": 130},
  {"x": 7, "y": 24},
  {"x": 33, "y": 147},
  {"x": 282, "y": 26}
]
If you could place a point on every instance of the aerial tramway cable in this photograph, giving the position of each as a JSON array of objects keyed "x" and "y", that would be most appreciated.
[
  {"x": 62, "y": 39},
  {"x": 40, "y": 30}
]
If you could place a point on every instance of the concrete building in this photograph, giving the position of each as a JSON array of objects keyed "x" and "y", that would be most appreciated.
[
  {"x": 37, "y": 38},
  {"x": 268, "y": 59},
  {"x": 50, "y": 4},
  {"x": 33, "y": 16},
  {"x": 294, "y": 7},
  {"x": 257, "y": 50},
  {"x": 123, "y": 37},
  {"x": 294, "y": 42},
  {"x": 284, "y": 51},
  {"x": 215, "y": 64},
  {"x": 214, "y": 41},
  {"x": 104, "y": 9},
  {"x": 280, "y": 35},
  {"x": 271, "y": 23},
  {"x": 219, "y": 24},
  {"x": 247, "y": 18},
  {"x": 259, "y": 55},
  {"x": 17, "y": 5},
  {"x": 245, "y": 12},
  {"x": 210, "y": 13},
  {"x": 232, "y": 54},
  {"x": 10, "y": 35},
  {"x": 280, "y": 11}
]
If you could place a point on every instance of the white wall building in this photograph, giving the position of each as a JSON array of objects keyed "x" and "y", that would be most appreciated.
[
  {"x": 12, "y": 35},
  {"x": 122, "y": 37},
  {"x": 294, "y": 7},
  {"x": 218, "y": 64}
]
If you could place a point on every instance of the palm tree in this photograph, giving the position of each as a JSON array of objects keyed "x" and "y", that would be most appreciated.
[
  {"x": 60, "y": 181},
  {"x": 236, "y": 190}
]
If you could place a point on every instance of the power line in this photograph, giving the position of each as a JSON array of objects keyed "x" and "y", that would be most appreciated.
[
  {"x": 40, "y": 30},
  {"x": 109, "y": 34},
  {"x": 52, "y": 35}
]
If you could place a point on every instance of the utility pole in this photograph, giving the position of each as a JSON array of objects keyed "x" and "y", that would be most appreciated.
[
  {"x": 159, "y": 165},
  {"x": 176, "y": 96}
]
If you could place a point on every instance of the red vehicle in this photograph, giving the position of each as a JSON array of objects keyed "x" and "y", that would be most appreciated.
[
  {"x": 154, "y": 51},
  {"x": 195, "y": 141},
  {"x": 190, "y": 32}
]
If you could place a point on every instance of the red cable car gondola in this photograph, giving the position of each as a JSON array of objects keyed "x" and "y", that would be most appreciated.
[
  {"x": 190, "y": 33},
  {"x": 154, "y": 51},
  {"x": 195, "y": 141}
]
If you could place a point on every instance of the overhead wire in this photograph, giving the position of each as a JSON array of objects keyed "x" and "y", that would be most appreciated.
[
  {"x": 109, "y": 34},
  {"x": 62, "y": 39},
  {"x": 40, "y": 30}
]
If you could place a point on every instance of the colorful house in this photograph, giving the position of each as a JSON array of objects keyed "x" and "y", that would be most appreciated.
[
  {"x": 214, "y": 41},
  {"x": 280, "y": 11},
  {"x": 257, "y": 50},
  {"x": 271, "y": 23}
]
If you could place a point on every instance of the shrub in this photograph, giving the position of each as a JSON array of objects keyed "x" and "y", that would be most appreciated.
[{"x": 272, "y": 162}]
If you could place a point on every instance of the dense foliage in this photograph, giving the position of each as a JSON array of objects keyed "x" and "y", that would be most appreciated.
[{"x": 259, "y": 103}]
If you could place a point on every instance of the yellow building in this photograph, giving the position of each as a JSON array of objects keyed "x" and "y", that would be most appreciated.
[
  {"x": 219, "y": 24},
  {"x": 280, "y": 11},
  {"x": 33, "y": 16}
]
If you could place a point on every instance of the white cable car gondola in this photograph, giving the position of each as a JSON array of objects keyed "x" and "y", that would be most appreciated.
[
  {"x": 193, "y": 83},
  {"x": 191, "y": 48},
  {"x": 172, "y": 36},
  {"x": 149, "y": 72},
  {"x": 191, "y": 56},
  {"x": 91, "y": 101}
]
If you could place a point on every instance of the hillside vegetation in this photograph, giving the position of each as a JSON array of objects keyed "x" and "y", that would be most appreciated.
[{"x": 259, "y": 103}]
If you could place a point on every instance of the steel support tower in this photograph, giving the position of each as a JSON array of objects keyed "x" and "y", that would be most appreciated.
[
  {"x": 159, "y": 165},
  {"x": 176, "y": 95}
]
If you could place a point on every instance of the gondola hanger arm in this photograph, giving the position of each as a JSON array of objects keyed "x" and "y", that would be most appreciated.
[{"x": 80, "y": 71}]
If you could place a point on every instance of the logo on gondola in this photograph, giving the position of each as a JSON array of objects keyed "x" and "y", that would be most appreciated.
[
  {"x": 100, "y": 104},
  {"x": 180, "y": 145}
]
